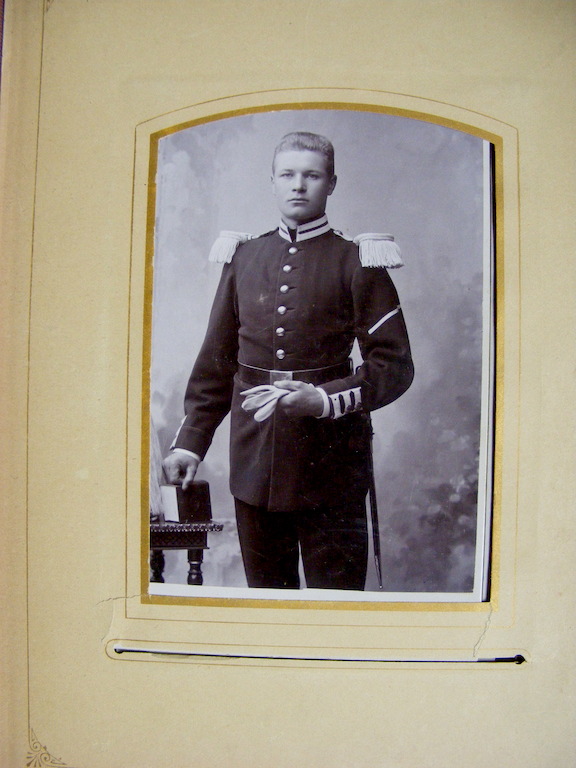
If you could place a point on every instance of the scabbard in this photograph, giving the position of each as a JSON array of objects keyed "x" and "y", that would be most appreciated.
[{"x": 374, "y": 509}]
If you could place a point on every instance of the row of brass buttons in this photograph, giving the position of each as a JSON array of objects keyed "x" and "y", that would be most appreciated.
[{"x": 280, "y": 353}]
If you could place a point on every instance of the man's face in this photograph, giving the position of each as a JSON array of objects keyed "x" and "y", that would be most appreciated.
[{"x": 301, "y": 185}]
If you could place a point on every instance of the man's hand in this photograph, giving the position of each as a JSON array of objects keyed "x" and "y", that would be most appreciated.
[
  {"x": 180, "y": 468},
  {"x": 303, "y": 400}
]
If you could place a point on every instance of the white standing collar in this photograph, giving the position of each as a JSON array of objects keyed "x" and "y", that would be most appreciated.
[{"x": 306, "y": 231}]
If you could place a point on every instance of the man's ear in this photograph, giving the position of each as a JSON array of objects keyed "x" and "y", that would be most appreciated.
[{"x": 333, "y": 181}]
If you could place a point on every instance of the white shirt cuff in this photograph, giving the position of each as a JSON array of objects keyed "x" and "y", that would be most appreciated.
[
  {"x": 326, "y": 402},
  {"x": 188, "y": 453}
]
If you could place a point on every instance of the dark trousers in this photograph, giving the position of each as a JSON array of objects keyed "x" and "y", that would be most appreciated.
[{"x": 333, "y": 542}]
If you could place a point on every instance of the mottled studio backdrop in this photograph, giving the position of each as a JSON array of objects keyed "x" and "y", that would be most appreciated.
[{"x": 424, "y": 184}]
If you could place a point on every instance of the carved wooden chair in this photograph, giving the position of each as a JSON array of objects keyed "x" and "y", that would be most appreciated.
[{"x": 190, "y": 532}]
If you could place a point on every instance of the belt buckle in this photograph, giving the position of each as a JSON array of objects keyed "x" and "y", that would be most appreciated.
[{"x": 280, "y": 376}]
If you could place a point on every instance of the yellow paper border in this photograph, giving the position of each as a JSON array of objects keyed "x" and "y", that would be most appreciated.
[{"x": 516, "y": 62}]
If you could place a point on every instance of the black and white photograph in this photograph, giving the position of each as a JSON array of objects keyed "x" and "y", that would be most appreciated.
[{"x": 321, "y": 358}]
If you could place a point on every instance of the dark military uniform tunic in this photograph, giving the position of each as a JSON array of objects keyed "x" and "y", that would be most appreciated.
[{"x": 298, "y": 307}]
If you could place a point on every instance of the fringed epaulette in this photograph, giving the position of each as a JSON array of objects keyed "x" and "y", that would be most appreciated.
[
  {"x": 378, "y": 250},
  {"x": 226, "y": 244}
]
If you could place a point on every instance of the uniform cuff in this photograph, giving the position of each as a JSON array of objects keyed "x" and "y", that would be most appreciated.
[{"x": 345, "y": 402}]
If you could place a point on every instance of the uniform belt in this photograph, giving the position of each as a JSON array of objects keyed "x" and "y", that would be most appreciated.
[{"x": 255, "y": 376}]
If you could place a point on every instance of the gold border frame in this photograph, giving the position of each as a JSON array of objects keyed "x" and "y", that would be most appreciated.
[{"x": 494, "y": 567}]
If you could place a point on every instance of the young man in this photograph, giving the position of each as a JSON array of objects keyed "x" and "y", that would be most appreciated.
[{"x": 276, "y": 354}]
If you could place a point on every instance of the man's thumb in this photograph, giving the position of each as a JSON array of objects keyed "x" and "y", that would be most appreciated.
[{"x": 189, "y": 476}]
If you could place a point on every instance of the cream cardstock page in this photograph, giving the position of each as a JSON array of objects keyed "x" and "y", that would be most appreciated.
[{"x": 99, "y": 671}]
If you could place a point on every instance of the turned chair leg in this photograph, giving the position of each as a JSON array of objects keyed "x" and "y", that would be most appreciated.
[
  {"x": 157, "y": 565},
  {"x": 195, "y": 557}
]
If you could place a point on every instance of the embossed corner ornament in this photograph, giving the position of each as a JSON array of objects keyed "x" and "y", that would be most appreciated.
[{"x": 39, "y": 757}]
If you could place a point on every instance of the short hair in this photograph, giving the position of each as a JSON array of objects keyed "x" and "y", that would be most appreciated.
[{"x": 314, "y": 142}]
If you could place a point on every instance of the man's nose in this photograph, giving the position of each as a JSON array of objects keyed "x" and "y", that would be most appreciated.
[{"x": 299, "y": 181}]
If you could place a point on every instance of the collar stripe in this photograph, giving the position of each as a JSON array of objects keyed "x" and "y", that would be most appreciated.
[{"x": 306, "y": 231}]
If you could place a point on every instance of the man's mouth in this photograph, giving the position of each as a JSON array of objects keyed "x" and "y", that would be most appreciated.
[{"x": 298, "y": 200}]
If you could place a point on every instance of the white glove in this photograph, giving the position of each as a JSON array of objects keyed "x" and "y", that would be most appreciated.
[{"x": 262, "y": 399}]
